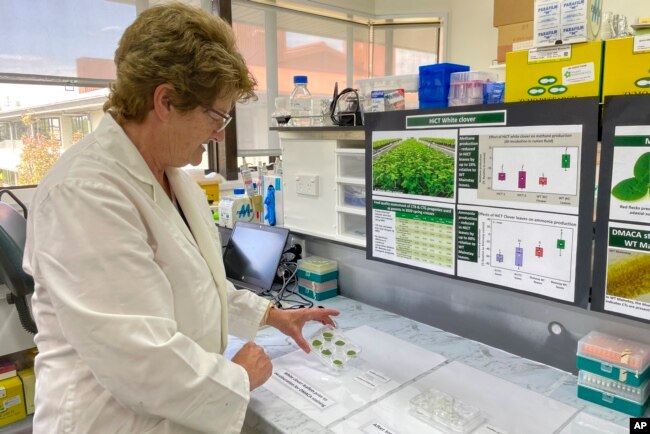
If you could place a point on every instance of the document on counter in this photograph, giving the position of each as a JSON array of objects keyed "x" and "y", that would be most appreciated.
[
  {"x": 383, "y": 364},
  {"x": 504, "y": 407}
]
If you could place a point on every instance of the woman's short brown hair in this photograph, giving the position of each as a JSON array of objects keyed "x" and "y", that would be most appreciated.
[{"x": 184, "y": 46}]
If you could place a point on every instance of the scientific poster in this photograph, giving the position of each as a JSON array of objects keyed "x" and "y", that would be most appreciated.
[
  {"x": 622, "y": 254},
  {"x": 499, "y": 194}
]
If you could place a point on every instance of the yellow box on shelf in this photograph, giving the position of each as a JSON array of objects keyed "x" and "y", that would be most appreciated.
[
  {"x": 626, "y": 70},
  {"x": 12, "y": 406},
  {"x": 558, "y": 72},
  {"x": 29, "y": 388}
]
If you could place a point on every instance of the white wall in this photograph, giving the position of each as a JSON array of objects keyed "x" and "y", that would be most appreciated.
[
  {"x": 392, "y": 8},
  {"x": 472, "y": 39},
  {"x": 630, "y": 8}
]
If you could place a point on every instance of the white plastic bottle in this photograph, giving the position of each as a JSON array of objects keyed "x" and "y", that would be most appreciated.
[{"x": 300, "y": 102}]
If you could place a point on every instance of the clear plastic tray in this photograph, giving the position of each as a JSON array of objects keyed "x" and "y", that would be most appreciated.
[
  {"x": 445, "y": 412},
  {"x": 333, "y": 348}
]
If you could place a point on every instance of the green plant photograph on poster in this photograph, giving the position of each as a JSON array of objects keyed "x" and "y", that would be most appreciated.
[{"x": 418, "y": 166}]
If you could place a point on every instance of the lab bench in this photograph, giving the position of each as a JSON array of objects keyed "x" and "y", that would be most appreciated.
[{"x": 267, "y": 413}]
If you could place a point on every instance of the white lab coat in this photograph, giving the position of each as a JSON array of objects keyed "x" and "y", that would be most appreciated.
[{"x": 129, "y": 305}]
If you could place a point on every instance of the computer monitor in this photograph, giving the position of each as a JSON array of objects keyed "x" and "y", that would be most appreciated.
[{"x": 252, "y": 255}]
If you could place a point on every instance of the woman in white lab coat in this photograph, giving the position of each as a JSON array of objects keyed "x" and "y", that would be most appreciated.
[{"x": 131, "y": 300}]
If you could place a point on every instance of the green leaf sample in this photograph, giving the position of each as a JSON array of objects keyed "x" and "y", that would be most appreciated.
[
  {"x": 642, "y": 169},
  {"x": 630, "y": 190}
]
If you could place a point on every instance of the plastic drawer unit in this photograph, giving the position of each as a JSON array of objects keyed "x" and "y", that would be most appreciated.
[
  {"x": 613, "y": 394},
  {"x": 615, "y": 358},
  {"x": 351, "y": 164},
  {"x": 353, "y": 195}
]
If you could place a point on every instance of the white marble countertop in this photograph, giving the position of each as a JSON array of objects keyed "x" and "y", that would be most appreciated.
[{"x": 269, "y": 414}]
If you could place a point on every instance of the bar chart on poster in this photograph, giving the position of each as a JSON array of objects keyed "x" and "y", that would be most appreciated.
[
  {"x": 535, "y": 168},
  {"x": 529, "y": 251}
]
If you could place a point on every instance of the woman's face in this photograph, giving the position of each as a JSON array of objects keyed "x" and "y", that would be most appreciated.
[{"x": 189, "y": 131}]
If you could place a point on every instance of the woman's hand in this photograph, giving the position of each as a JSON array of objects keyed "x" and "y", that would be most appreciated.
[
  {"x": 256, "y": 363},
  {"x": 290, "y": 322}
]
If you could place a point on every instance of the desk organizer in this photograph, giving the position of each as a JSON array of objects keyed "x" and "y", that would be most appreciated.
[
  {"x": 445, "y": 412},
  {"x": 333, "y": 348},
  {"x": 615, "y": 358},
  {"x": 613, "y": 394}
]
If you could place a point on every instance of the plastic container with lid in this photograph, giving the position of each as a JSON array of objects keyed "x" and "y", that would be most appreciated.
[
  {"x": 318, "y": 291},
  {"x": 385, "y": 90},
  {"x": 613, "y": 394},
  {"x": 317, "y": 269},
  {"x": 300, "y": 102},
  {"x": 442, "y": 410},
  {"x": 434, "y": 83},
  {"x": 467, "y": 88},
  {"x": 615, "y": 358}
]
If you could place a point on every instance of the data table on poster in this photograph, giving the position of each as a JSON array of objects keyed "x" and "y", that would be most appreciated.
[
  {"x": 414, "y": 233},
  {"x": 426, "y": 241}
]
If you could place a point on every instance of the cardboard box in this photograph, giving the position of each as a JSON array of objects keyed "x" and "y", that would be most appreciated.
[
  {"x": 625, "y": 72},
  {"x": 513, "y": 35},
  {"x": 512, "y": 12},
  {"x": 12, "y": 407},
  {"x": 563, "y": 71},
  {"x": 29, "y": 388}
]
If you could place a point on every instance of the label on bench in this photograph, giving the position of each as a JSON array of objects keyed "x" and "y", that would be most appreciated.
[{"x": 315, "y": 396}]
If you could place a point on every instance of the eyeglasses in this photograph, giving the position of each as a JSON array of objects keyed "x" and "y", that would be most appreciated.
[{"x": 222, "y": 119}]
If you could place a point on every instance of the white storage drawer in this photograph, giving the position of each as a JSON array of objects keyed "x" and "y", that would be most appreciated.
[
  {"x": 351, "y": 164},
  {"x": 352, "y": 225},
  {"x": 353, "y": 195}
]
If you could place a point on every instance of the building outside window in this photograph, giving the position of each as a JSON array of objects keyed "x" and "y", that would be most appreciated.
[{"x": 58, "y": 76}]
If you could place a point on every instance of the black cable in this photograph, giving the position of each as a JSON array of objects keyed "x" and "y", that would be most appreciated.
[{"x": 285, "y": 291}]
